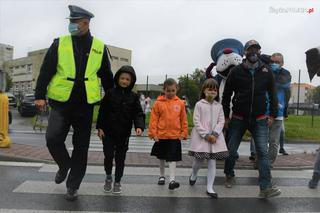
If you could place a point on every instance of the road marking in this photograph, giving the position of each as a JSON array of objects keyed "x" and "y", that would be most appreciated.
[
  {"x": 21, "y": 164},
  {"x": 154, "y": 190},
  {"x": 141, "y": 171},
  {"x": 40, "y": 211}
]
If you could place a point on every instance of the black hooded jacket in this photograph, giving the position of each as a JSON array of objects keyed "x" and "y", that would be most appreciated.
[
  {"x": 120, "y": 107},
  {"x": 250, "y": 99}
]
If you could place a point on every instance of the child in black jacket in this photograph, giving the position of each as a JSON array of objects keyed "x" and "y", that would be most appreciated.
[{"x": 119, "y": 108}]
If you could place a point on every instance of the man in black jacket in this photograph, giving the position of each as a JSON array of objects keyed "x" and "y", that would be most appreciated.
[
  {"x": 251, "y": 82},
  {"x": 69, "y": 77},
  {"x": 119, "y": 109}
]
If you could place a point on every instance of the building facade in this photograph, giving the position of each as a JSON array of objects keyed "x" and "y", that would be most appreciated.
[
  {"x": 25, "y": 71},
  {"x": 6, "y": 53},
  {"x": 305, "y": 92}
]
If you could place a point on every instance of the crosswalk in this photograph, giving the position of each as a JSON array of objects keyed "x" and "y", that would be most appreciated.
[
  {"x": 149, "y": 188},
  {"x": 136, "y": 144},
  {"x": 141, "y": 183}
]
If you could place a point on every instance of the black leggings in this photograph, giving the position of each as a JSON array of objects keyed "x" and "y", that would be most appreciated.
[{"x": 115, "y": 147}]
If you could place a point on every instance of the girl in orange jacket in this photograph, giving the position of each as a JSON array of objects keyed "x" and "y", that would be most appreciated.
[{"x": 168, "y": 126}]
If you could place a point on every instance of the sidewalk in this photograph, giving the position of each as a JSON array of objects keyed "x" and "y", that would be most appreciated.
[{"x": 20, "y": 152}]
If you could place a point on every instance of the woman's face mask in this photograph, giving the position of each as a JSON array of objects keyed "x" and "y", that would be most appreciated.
[{"x": 275, "y": 67}]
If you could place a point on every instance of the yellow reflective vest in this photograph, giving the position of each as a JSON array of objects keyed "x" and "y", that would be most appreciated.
[{"x": 61, "y": 84}]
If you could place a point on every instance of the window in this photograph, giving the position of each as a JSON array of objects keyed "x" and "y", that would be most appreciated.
[
  {"x": 29, "y": 67},
  {"x": 124, "y": 59},
  {"x": 115, "y": 57}
]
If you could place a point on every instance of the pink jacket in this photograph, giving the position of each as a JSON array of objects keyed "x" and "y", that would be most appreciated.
[{"x": 207, "y": 118}]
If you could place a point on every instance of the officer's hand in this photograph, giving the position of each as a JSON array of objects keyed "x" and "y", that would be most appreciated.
[
  {"x": 156, "y": 139},
  {"x": 101, "y": 134},
  {"x": 41, "y": 104},
  {"x": 138, "y": 132}
]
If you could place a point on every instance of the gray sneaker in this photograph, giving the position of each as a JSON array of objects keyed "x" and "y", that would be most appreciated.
[
  {"x": 230, "y": 180},
  {"x": 116, "y": 188},
  {"x": 269, "y": 192},
  {"x": 108, "y": 185}
]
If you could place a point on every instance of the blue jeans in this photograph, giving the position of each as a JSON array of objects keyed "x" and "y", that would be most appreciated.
[{"x": 259, "y": 132}]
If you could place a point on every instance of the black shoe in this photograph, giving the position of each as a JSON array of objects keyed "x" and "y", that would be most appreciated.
[
  {"x": 173, "y": 185},
  {"x": 192, "y": 182},
  {"x": 213, "y": 195},
  {"x": 162, "y": 180},
  {"x": 61, "y": 176},
  {"x": 252, "y": 157},
  {"x": 72, "y": 194},
  {"x": 282, "y": 151}
]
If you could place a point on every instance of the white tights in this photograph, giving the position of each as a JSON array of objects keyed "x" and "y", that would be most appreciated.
[
  {"x": 172, "y": 168},
  {"x": 211, "y": 172}
]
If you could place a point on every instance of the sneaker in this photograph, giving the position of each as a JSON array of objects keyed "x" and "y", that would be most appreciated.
[
  {"x": 230, "y": 180},
  {"x": 173, "y": 185},
  {"x": 283, "y": 151},
  {"x": 107, "y": 185},
  {"x": 72, "y": 194},
  {"x": 116, "y": 188},
  {"x": 162, "y": 180},
  {"x": 61, "y": 176},
  {"x": 269, "y": 192}
]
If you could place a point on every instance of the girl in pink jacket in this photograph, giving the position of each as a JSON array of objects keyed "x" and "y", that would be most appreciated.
[{"x": 207, "y": 140}]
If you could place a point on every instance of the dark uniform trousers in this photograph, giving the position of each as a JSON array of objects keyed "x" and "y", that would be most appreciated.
[
  {"x": 79, "y": 116},
  {"x": 115, "y": 148}
]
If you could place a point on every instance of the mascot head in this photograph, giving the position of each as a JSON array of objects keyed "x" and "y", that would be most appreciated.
[{"x": 225, "y": 54}]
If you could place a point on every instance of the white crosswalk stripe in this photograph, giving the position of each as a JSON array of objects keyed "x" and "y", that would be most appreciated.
[
  {"x": 136, "y": 144},
  {"x": 151, "y": 189}
]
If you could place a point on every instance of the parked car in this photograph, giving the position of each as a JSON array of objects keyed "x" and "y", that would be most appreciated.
[
  {"x": 12, "y": 100},
  {"x": 27, "y": 106}
]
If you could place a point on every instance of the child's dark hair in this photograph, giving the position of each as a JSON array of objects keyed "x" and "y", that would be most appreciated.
[
  {"x": 211, "y": 84},
  {"x": 169, "y": 82}
]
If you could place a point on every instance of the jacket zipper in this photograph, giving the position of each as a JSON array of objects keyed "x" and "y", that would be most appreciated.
[{"x": 252, "y": 93}]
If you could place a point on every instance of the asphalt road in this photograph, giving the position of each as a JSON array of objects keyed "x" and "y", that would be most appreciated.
[{"x": 30, "y": 188}]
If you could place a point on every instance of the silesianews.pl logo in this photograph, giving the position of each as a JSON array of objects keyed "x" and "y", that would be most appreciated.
[{"x": 284, "y": 10}]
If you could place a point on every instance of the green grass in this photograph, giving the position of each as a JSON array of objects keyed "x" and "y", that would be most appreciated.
[{"x": 299, "y": 127}]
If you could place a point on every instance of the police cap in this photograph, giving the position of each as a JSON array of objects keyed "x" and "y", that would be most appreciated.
[{"x": 79, "y": 13}]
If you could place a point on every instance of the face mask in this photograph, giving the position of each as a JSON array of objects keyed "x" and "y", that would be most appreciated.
[
  {"x": 210, "y": 96},
  {"x": 275, "y": 67},
  {"x": 73, "y": 28},
  {"x": 252, "y": 57}
]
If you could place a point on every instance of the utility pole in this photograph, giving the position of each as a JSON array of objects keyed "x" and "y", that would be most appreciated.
[{"x": 298, "y": 93}]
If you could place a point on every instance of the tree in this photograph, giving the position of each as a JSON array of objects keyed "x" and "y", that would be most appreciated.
[
  {"x": 9, "y": 82},
  {"x": 315, "y": 95},
  {"x": 190, "y": 86}
]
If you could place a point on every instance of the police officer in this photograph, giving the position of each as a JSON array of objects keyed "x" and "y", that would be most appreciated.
[{"x": 69, "y": 78}]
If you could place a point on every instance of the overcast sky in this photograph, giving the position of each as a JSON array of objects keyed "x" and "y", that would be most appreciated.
[{"x": 170, "y": 37}]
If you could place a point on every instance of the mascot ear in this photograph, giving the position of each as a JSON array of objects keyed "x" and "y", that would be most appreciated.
[{"x": 209, "y": 69}]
